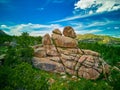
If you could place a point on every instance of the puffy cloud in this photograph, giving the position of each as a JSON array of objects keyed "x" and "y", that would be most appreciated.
[
  {"x": 3, "y": 26},
  {"x": 99, "y": 5},
  {"x": 32, "y": 29},
  {"x": 84, "y": 4}
]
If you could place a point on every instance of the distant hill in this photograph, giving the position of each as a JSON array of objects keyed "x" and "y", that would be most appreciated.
[
  {"x": 2, "y": 33},
  {"x": 91, "y": 38}
]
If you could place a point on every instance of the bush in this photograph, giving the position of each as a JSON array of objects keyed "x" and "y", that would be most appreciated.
[
  {"x": 22, "y": 77},
  {"x": 114, "y": 79}
]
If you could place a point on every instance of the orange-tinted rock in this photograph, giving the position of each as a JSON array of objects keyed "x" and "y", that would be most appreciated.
[
  {"x": 69, "y": 32},
  {"x": 51, "y": 50},
  {"x": 40, "y": 52},
  {"x": 62, "y": 41},
  {"x": 46, "y": 40},
  {"x": 47, "y": 64},
  {"x": 90, "y": 52},
  {"x": 57, "y": 31},
  {"x": 88, "y": 73},
  {"x": 69, "y": 64},
  {"x": 70, "y": 71}
]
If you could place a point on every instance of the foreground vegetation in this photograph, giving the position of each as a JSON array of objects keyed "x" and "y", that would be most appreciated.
[{"x": 17, "y": 72}]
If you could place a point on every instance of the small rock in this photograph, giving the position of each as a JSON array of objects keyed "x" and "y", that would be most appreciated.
[
  {"x": 46, "y": 40},
  {"x": 51, "y": 81},
  {"x": 57, "y": 31},
  {"x": 74, "y": 77},
  {"x": 63, "y": 77},
  {"x": 62, "y": 73}
]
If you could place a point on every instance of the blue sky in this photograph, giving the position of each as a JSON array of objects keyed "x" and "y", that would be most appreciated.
[{"x": 38, "y": 17}]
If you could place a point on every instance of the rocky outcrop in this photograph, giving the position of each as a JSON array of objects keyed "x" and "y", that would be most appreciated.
[{"x": 60, "y": 54}]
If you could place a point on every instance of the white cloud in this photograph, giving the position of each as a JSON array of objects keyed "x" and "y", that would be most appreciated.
[
  {"x": 92, "y": 24},
  {"x": 74, "y": 17},
  {"x": 87, "y": 7},
  {"x": 88, "y": 31},
  {"x": 84, "y": 4},
  {"x": 101, "y": 23},
  {"x": 116, "y": 27},
  {"x": 101, "y": 5},
  {"x": 3, "y": 26},
  {"x": 91, "y": 12},
  {"x": 32, "y": 29},
  {"x": 39, "y": 33}
]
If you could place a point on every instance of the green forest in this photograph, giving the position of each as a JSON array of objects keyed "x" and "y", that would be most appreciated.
[{"x": 18, "y": 73}]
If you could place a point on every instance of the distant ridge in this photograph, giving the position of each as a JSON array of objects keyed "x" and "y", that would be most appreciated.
[
  {"x": 103, "y": 39},
  {"x": 2, "y": 33}
]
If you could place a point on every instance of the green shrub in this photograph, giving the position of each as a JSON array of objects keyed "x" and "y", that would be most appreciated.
[{"x": 114, "y": 79}]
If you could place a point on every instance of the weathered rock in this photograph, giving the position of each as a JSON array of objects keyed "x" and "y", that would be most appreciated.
[
  {"x": 47, "y": 64},
  {"x": 46, "y": 40},
  {"x": 69, "y": 32},
  {"x": 88, "y": 73},
  {"x": 70, "y": 71},
  {"x": 57, "y": 31},
  {"x": 51, "y": 50},
  {"x": 89, "y": 52},
  {"x": 69, "y": 64},
  {"x": 40, "y": 52},
  {"x": 62, "y": 41},
  {"x": 68, "y": 51},
  {"x": 61, "y": 55}
]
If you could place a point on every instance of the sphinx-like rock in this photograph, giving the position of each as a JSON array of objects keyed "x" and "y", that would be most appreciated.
[{"x": 60, "y": 54}]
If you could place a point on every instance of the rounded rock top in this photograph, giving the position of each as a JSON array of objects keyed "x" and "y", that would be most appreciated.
[
  {"x": 57, "y": 31},
  {"x": 68, "y": 31}
]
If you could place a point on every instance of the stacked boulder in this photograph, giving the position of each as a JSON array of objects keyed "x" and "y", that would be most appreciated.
[{"x": 60, "y": 53}]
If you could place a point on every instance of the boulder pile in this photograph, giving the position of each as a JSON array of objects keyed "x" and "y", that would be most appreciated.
[{"x": 60, "y": 53}]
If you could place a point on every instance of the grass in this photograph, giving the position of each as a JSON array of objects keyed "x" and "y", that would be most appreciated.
[{"x": 23, "y": 76}]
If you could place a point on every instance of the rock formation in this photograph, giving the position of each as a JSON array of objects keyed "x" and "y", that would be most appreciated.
[{"x": 60, "y": 53}]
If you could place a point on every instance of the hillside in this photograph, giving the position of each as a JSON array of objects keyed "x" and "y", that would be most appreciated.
[
  {"x": 2, "y": 33},
  {"x": 91, "y": 38}
]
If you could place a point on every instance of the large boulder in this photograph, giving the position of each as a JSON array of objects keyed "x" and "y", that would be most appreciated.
[
  {"x": 62, "y": 41},
  {"x": 47, "y": 64},
  {"x": 69, "y": 32}
]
